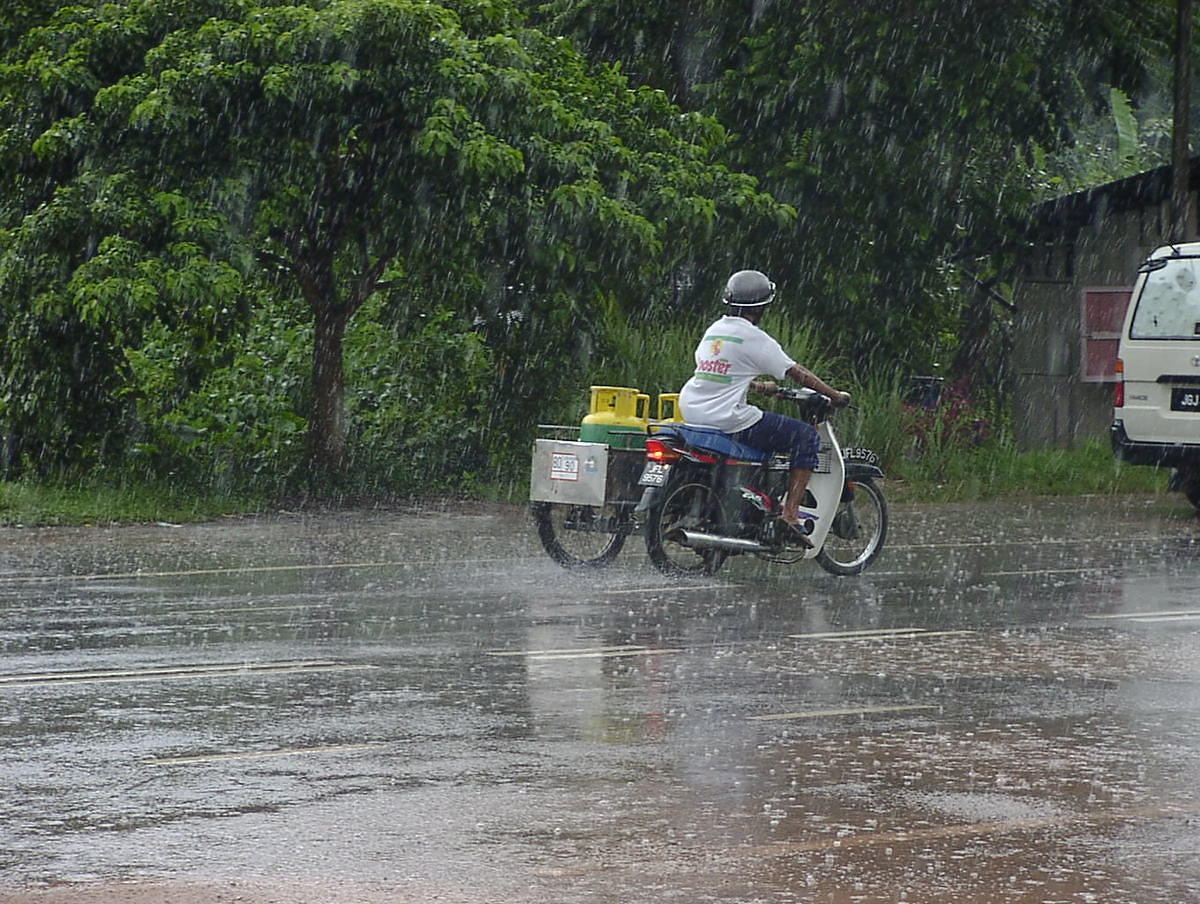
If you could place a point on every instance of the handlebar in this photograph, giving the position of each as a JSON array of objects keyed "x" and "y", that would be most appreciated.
[
  {"x": 799, "y": 394},
  {"x": 814, "y": 406}
]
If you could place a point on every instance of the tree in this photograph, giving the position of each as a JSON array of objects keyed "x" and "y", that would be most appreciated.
[
  {"x": 902, "y": 132},
  {"x": 1181, "y": 164},
  {"x": 166, "y": 157}
]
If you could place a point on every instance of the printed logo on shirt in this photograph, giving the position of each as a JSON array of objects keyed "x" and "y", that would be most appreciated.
[
  {"x": 716, "y": 342},
  {"x": 713, "y": 366},
  {"x": 716, "y": 368}
]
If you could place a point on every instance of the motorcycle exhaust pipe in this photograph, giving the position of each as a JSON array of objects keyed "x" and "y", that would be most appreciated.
[{"x": 697, "y": 540}]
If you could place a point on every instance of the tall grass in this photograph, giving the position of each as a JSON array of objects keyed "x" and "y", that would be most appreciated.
[
  {"x": 658, "y": 359},
  {"x": 963, "y": 450},
  {"x": 97, "y": 503},
  {"x": 960, "y": 450}
]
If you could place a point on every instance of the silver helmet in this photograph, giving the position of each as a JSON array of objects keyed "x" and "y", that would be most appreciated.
[{"x": 748, "y": 289}]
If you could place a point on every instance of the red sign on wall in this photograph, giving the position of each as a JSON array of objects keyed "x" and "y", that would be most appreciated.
[{"x": 1103, "y": 316}]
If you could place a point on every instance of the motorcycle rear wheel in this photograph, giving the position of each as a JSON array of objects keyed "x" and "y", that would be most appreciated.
[
  {"x": 580, "y": 536},
  {"x": 856, "y": 536},
  {"x": 686, "y": 505}
]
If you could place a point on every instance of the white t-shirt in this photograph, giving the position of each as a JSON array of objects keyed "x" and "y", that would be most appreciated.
[{"x": 732, "y": 353}]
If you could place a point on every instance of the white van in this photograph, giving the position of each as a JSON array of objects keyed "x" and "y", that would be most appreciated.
[{"x": 1156, "y": 407}]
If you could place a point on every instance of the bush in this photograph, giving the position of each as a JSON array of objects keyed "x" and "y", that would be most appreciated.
[
  {"x": 239, "y": 428},
  {"x": 417, "y": 404},
  {"x": 963, "y": 449},
  {"x": 415, "y": 400}
]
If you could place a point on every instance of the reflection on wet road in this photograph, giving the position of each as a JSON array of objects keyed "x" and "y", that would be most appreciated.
[{"x": 420, "y": 706}]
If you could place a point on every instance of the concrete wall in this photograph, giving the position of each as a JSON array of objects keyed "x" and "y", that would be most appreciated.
[{"x": 1052, "y": 404}]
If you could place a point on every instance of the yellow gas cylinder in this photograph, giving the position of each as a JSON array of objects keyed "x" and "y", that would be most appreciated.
[
  {"x": 668, "y": 408},
  {"x": 619, "y": 417},
  {"x": 667, "y": 412}
]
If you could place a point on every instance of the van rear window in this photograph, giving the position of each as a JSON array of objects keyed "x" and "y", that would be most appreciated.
[{"x": 1169, "y": 304}]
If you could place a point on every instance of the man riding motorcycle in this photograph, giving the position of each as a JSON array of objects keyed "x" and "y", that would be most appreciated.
[{"x": 732, "y": 353}]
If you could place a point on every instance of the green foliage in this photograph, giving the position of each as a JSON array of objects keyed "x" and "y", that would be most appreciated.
[
  {"x": 253, "y": 242},
  {"x": 419, "y": 406},
  {"x": 169, "y": 166},
  {"x": 1119, "y": 140},
  {"x": 900, "y": 132},
  {"x": 239, "y": 426},
  {"x": 963, "y": 450},
  {"x": 1000, "y": 471}
]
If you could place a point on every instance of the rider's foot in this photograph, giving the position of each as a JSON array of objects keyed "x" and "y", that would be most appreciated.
[{"x": 794, "y": 533}]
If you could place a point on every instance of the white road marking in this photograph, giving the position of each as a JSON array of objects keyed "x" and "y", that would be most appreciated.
[
  {"x": 1075, "y": 541},
  {"x": 878, "y": 634},
  {"x": 167, "y": 673},
  {"x": 866, "y": 632},
  {"x": 586, "y": 653},
  {"x": 294, "y": 607},
  {"x": 1029, "y": 572},
  {"x": 850, "y": 711},
  {"x": 256, "y": 754},
  {"x": 246, "y": 569},
  {"x": 670, "y": 588},
  {"x": 565, "y": 650},
  {"x": 1149, "y": 613}
]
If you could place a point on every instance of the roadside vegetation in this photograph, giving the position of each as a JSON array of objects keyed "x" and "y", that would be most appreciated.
[
  {"x": 256, "y": 250},
  {"x": 953, "y": 449},
  {"x": 996, "y": 471}
]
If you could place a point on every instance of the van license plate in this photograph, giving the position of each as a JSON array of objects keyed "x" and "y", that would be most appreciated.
[
  {"x": 1185, "y": 399},
  {"x": 654, "y": 474}
]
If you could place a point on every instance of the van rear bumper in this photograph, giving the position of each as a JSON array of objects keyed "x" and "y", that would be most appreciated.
[{"x": 1162, "y": 455}]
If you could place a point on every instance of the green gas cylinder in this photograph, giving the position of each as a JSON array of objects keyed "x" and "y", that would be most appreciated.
[{"x": 619, "y": 416}]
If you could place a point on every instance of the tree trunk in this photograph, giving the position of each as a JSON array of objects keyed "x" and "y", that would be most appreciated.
[
  {"x": 1180, "y": 161},
  {"x": 327, "y": 426}
]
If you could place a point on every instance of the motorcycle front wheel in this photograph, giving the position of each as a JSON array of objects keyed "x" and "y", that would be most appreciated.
[
  {"x": 580, "y": 536},
  {"x": 859, "y": 528},
  {"x": 686, "y": 505}
]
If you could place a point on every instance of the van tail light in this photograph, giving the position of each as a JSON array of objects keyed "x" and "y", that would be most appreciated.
[
  {"x": 1119, "y": 386},
  {"x": 657, "y": 450}
]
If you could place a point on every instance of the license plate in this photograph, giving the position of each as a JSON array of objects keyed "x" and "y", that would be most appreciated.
[
  {"x": 654, "y": 474},
  {"x": 1185, "y": 398},
  {"x": 859, "y": 454}
]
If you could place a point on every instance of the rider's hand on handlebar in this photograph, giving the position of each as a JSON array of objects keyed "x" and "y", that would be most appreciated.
[
  {"x": 841, "y": 399},
  {"x": 765, "y": 387}
]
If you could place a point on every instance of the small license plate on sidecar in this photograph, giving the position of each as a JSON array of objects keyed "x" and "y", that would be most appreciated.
[{"x": 654, "y": 474}]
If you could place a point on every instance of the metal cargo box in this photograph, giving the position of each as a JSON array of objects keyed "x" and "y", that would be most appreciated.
[{"x": 563, "y": 471}]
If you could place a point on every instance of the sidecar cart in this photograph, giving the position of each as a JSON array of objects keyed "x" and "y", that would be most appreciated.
[
  {"x": 582, "y": 497},
  {"x": 583, "y": 486}
]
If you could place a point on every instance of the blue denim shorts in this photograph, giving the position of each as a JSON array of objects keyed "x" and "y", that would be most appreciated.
[{"x": 776, "y": 433}]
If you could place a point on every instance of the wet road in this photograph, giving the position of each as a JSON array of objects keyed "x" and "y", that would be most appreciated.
[{"x": 420, "y": 706}]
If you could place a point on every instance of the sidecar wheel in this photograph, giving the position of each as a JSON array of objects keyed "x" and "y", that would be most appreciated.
[{"x": 580, "y": 536}]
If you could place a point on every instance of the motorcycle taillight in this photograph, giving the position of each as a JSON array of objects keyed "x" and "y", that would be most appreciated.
[{"x": 657, "y": 450}]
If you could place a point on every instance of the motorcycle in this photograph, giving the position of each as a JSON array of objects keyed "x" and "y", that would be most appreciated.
[{"x": 708, "y": 497}]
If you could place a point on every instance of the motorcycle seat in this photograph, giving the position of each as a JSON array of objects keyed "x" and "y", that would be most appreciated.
[{"x": 713, "y": 440}]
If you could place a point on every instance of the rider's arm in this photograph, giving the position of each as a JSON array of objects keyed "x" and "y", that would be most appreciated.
[{"x": 810, "y": 380}]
